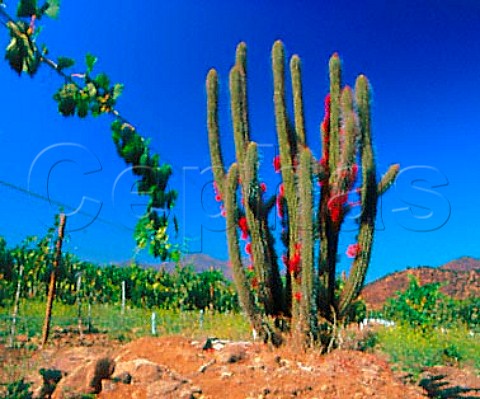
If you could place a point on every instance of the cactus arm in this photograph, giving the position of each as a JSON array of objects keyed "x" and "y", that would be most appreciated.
[
  {"x": 245, "y": 294},
  {"x": 335, "y": 84},
  {"x": 387, "y": 179},
  {"x": 241, "y": 56},
  {"x": 335, "y": 152},
  {"x": 295, "y": 71},
  {"x": 306, "y": 233},
  {"x": 281, "y": 119},
  {"x": 262, "y": 242},
  {"x": 241, "y": 64},
  {"x": 369, "y": 197},
  {"x": 284, "y": 140},
  {"x": 213, "y": 130},
  {"x": 349, "y": 145},
  {"x": 237, "y": 111}
]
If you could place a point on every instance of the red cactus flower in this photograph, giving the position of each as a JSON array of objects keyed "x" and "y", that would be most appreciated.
[
  {"x": 276, "y": 164},
  {"x": 242, "y": 223},
  {"x": 355, "y": 169},
  {"x": 323, "y": 162},
  {"x": 327, "y": 104},
  {"x": 218, "y": 196},
  {"x": 248, "y": 248},
  {"x": 335, "y": 215},
  {"x": 280, "y": 206},
  {"x": 325, "y": 126},
  {"x": 353, "y": 250},
  {"x": 335, "y": 205},
  {"x": 294, "y": 263},
  {"x": 263, "y": 187},
  {"x": 254, "y": 282},
  {"x": 281, "y": 194},
  {"x": 250, "y": 267},
  {"x": 353, "y": 174},
  {"x": 298, "y": 296},
  {"x": 223, "y": 212},
  {"x": 295, "y": 260}
]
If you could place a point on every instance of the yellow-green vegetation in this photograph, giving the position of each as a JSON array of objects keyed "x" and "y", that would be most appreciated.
[
  {"x": 410, "y": 349},
  {"x": 132, "y": 323}
]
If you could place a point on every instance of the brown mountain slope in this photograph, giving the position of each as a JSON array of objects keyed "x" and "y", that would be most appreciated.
[
  {"x": 462, "y": 264},
  {"x": 200, "y": 262},
  {"x": 461, "y": 279}
]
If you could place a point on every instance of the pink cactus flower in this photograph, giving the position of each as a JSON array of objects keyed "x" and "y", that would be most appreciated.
[
  {"x": 242, "y": 223},
  {"x": 353, "y": 250},
  {"x": 276, "y": 164},
  {"x": 298, "y": 296}
]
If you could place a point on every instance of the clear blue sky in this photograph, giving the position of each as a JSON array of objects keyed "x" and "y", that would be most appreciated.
[{"x": 422, "y": 58}]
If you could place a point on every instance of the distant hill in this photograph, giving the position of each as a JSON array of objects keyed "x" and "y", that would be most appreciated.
[
  {"x": 200, "y": 262},
  {"x": 462, "y": 264},
  {"x": 461, "y": 278}
]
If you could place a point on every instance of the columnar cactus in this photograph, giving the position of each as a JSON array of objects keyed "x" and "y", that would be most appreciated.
[{"x": 306, "y": 298}]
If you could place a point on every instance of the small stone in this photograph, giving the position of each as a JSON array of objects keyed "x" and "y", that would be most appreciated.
[{"x": 108, "y": 385}]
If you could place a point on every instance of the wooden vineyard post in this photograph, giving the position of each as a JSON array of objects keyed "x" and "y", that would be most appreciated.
[
  {"x": 15, "y": 307},
  {"x": 53, "y": 278}
]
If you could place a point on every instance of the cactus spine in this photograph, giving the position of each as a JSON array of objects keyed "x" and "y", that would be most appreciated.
[{"x": 307, "y": 296}]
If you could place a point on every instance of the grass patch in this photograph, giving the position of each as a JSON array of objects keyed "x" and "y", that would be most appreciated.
[
  {"x": 411, "y": 350},
  {"x": 133, "y": 323}
]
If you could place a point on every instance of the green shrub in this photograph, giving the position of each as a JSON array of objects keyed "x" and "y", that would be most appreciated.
[
  {"x": 418, "y": 306},
  {"x": 412, "y": 349},
  {"x": 18, "y": 390}
]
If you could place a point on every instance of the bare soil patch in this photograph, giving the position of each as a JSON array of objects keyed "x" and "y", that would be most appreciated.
[{"x": 176, "y": 367}]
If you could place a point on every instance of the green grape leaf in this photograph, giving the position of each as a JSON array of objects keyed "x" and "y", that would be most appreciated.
[
  {"x": 117, "y": 91},
  {"x": 82, "y": 108},
  {"x": 102, "y": 81},
  {"x": 65, "y": 62},
  {"x": 53, "y": 8},
  {"x": 26, "y": 8},
  {"x": 91, "y": 90},
  {"x": 21, "y": 53},
  {"x": 90, "y": 62},
  {"x": 14, "y": 55}
]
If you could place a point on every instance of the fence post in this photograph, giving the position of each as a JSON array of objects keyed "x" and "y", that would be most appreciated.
[
  {"x": 201, "y": 318},
  {"x": 89, "y": 317},
  {"x": 154, "y": 323},
  {"x": 79, "y": 303},
  {"x": 123, "y": 296},
  {"x": 15, "y": 307},
  {"x": 53, "y": 278}
]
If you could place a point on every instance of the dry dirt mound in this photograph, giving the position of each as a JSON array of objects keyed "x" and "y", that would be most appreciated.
[{"x": 174, "y": 367}]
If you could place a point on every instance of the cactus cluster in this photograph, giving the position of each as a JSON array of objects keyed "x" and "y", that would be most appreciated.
[{"x": 302, "y": 297}]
